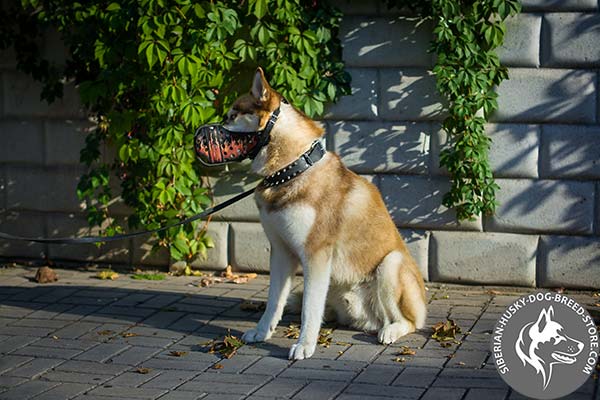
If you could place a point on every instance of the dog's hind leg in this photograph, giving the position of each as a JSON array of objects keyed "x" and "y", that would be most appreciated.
[
  {"x": 282, "y": 268},
  {"x": 399, "y": 304}
]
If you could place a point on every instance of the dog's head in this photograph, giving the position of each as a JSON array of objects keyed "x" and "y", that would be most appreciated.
[{"x": 544, "y": 343}]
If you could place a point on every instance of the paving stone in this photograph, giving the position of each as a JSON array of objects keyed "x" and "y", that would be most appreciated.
[
  {"x": 521, "y": 47},
  {"x": 416, "y": 202},
  {"x": 49, "y": 352},
  {"x": 51, "y": 311},
  {"x": 569, "y": 261},
  {"x": 102, "y": 352},
  {"x": 64, "y": 391},
  {"x": 320, "y": 390},
  {"x": 571, "y": 40},
  {"x": 443, "y": 394},
  {"x": 318, "y": 374},
  {"x": 249, "y": 247},
  {"x": 180, "y": 395},
  {"x": 494, "y": 258},
  {"x": 378, "y": 374},
  {"x": 34, "y": 367},
  {"x": 409, "y": 95},
  {"x": 237, "y": 364},
  {"x": 12, "y": 361},
  {"x": 217, "y": 258},
  {"x": 570, "y": 151},
  {"x": 281, "y": 388},
  {"x": 76, "y": 330},
  {"x": 547, "y": 95},
  {"x": 385, "y": 42},
  {"x": 120, "y": 392},
  {"x": 134, "y": 355},
  {"x": 91, "y": 367},
  {"x": 384, "y": 391},
  {"x": 543, "y": 206},
  {"x": 363, "y": 103},
  {"x": 468, "y": 359},
  {"x": 488, "y": 394},
  {"x": 16, "y": 342},
  {"x": 169, "y": 379},
  {"x": 417, "y": 377},
  {"x": 367, "y": 147},
  {"x": 133, "y": 379},
  {"x": 359, "y": 352},
  {"x": 27, "y": 390},
  {"x": 185, "y": 365},
  {"x": 162, "y": 319},
  {"x": 7, "y": 382},
  {"x": 225, "y": 383},
  {"x": 76, "y": 377}
]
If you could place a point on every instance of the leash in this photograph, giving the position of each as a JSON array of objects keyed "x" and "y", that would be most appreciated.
[{"x": 98, "y": 239}]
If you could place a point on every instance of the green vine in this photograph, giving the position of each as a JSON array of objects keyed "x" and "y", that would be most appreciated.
[
  {"x": 465, "y": 37},
  {"x": 151, "y": 71}
]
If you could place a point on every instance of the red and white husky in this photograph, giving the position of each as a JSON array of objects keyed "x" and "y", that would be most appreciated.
[{"x": 332, "y": 223}]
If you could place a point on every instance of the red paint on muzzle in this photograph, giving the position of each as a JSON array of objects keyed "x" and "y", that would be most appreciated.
[{"x": 216, "y": 145}]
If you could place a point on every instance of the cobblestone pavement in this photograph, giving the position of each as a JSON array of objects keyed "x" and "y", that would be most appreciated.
[{"x": 89, "y": 339}]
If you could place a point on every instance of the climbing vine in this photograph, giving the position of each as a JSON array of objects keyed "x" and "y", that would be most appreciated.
[{"x": 465, "y": 37}]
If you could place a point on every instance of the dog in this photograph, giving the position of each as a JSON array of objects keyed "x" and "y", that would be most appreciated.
[
  {"x": 333, "y": 224},
  {"x": 543, "y": 344}
]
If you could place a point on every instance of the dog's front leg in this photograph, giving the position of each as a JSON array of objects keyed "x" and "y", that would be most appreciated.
[
  {"x": 317, "y": 272},
  {"x": 282, "y": 269}
]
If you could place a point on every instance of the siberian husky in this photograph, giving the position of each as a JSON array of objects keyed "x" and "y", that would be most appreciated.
[{"x": 330, "y": 222}]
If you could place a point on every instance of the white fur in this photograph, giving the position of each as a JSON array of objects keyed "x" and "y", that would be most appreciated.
[{"x": 243, "y": 123}]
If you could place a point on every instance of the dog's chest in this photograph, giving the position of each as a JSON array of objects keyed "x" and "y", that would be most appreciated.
[{"x": 291, "y": 224}]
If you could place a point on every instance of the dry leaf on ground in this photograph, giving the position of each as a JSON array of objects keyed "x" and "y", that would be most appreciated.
[
  {"x": 227, "y": 347},
  {"x": 325, "y": 338},
  {"x": 495, "y": 292},
  {"x": 175, "y": 353},
  {"x": 45, "y": 275},
  {"x": 142, "y": 370},
  {"x": 218, "y": 366},
  {"x": 106, "y": 332},
  {"x": 292, "y": 332},
  {"x": 406, "y": 351},
  {"x": 253, "y": 306},
  {"x": 445, "y": 332},
  {"x": 107, "y": 274},
  {"x": 399, "y": 359},
  {"x": 128, "y": 334}
]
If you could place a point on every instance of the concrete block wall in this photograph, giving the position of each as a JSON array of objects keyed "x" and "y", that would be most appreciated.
[{"x": 545, "y": 155}]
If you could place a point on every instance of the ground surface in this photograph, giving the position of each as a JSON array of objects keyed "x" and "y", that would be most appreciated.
[{"x": 87, "y": 339}]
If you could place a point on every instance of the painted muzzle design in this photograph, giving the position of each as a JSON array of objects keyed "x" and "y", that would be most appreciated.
[{"x": 215, "y": 144}]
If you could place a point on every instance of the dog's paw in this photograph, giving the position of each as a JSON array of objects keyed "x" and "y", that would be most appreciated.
[
  {"x": 392, "y": 332},
  {"x": 255, "y": 335},
  {"x": 300, "y": 351}
]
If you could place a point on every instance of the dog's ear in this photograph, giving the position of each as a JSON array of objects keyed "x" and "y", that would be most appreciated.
[
  {"x": 260, "y": 86},
  {"x": 544, "y": 318}
]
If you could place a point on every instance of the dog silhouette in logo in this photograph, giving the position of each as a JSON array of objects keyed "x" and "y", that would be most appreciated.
[{"x": 543, "y": 343}]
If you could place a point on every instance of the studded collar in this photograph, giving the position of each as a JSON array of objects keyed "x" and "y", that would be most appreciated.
[{"x": 301, "y": 164}]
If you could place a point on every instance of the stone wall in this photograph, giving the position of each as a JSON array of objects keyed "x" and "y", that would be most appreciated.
[{"x": 545, "y": 155}]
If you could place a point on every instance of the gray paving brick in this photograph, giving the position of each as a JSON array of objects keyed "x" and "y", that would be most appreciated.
[
  {"x": 225, "y": 383},
  {"x": 27, "y": 390},
  {"x": 268, "y": 366},
  {"x": 7, "y": 382},
  {"x": 51, "y": 311},
  {"x": 250, "y": 249},
  {"x": 189, "y": 322},
  {"x": 180, "y": 395},
  {"x": 320, "y": 390},
  {"x": 384, "y": 391},
  {"x": 12, "y": 361},
  {"x": 134, "y": 393},
  {"x": 443, "y": 394},
  {"x": 417, "y": 376},
  {"x": 358, "y": 352},
  {"x": 177, "y": 364},
  {"x": 238, "y": 363},
  {"x": 281, "y": 388},
  {"x": 27, "y": 331},
  {"x": 318, "y": 374},
  {"x": 34, "y": 367},
  {"x": 102, "y": 352},
  {"x": 76, "y": 377},
  {"x": 91, "y": 367},
  {"x": 169, "y": 379},
  {"x": 64, "y": 391},
  {"x": 339, "y": 365},
  {"x": 488, "y": 394},
  {"x": 468, "y": 359},
  {"x": 76, "y": 330},
  {"x": 49, "y": 352},
  {"x": 378, "y": 374},
  {"x": 134, "y": 355},
  {"x": 133, "y": 379}
]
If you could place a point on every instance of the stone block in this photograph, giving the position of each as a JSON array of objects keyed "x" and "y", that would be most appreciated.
[
  {"x": 385, "y": 42},
  {"x": 559, "y": 5},
  {"x": 571, "y": 40},
  {"x": 410, "y": 95},
  {"x": 64, "y": 141},
  {"x": 22, "y": 99},
  {"x": 227, "y": 185},
  {"x": 484, "y": 258},
  {"x": 543, "y": 206},
  {"x": 570, "y": 151},
  {"x": 362, "y": 104},
  {"x": 249, "y": 248},
  {"x": 521, "y": 47},
  {"x": 569, "y": 261},
  {"x": 76, "y": 225},
  {"x": 547, "y": 95},
  {"x": 513, "y": 152},
  {"x": 367, "y": 147},
  {"x": 217, "y": 257},
  {"x": 22, "y": 223},
  {"x": 418, "y": 245},
  {"x": 43, "y": 189},
  {"x": 143, "y": 253},
  {"x": 416, "y": 202},
  {"x": 350, "y": 7},
  {"x": 8, "y": 59},
  {"x": 22, "y": 142}
]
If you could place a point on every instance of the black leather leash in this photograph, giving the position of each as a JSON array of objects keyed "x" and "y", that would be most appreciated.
[{"x": 99, "y": 239}]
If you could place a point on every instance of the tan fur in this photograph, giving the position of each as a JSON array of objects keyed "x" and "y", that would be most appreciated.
[{"x": 352, "y": 230}]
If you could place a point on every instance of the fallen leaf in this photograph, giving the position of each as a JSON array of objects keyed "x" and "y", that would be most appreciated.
[
  {"x": 239, "y": 279},
  {"x": 444, "y": 332},
  {"x": 406, "y": 351},
  {"x": 596, "y": 304},
  {"x": 228, "y": 273},
  {"x": 596, "y": 294},
  {"x": 54, "y": 337},
  {"x": 128, "y": 334},
  {"x": 142, "y": 370},
  {"x": 399, "y": 359},
  {"x": 253, "y": 306},
  {"x": 343, "y": 343},
  {"x": 292, "y": 332},
  {"x": 324, "y": 338},
  {"x": 107, "y": 274},
  {"x": 175, "y": 353},
  {"x": 45, "y": 275},
  {"x": 106, "y": 332},
  {"x": 460, "y": 363},
  {"x": 218, "y": 366},
  {"x": 496, "y": 292},
  {"x": 227, "y": 347}
]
